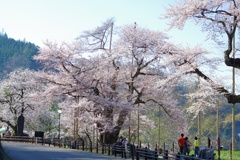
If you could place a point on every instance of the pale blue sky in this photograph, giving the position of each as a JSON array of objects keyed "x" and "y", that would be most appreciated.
[{"x": 64, "y": 20}]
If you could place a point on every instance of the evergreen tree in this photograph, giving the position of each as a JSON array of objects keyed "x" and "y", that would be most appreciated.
[{"x": 16, "y": 54}]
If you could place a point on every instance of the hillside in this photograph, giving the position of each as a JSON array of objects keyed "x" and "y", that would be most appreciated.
[{"x": 16, "y": 54}]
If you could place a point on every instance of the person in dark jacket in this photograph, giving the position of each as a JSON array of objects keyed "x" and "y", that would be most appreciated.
[{"x": 187, "y": 145}]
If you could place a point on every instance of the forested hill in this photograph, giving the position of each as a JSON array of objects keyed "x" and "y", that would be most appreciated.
[{"x": 16, "y": 54}]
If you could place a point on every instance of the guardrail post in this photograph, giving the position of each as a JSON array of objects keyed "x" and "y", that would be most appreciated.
[
  {"x": 83, "y": 145},
  {"x": 209, "y": 142},
  {"x": 146, "y": 154},
  {"x": 75, "y": 144},
  {"x": 230, "y": 150},
  {"x": 137, "y": 154},
  {"x": 132, "y": 151},
  {"x": 115, "y": 149},
  {"x": 97, "y": 148},
  {"x": 165, "y": 154},
  {"x": 109, "y": 149},
  {"x": 90, "y": 146},
  {"x": 125, "y": 151},
  {"x": 156, "y": 153},
  {"x": 173, "y": 147},
  {"x": 49, "y": 142},
  {"x": 163, "y": 146},
  {"x": 122, "y": 149},
  {"x": 64, "y": 143},
  {"x": 102, "y": 148},
  {"x": 219, "y": 148},
  {"x": 105, "y": 148},
  {"x": 178, "y": 156},
  {"x": 53, "y": 141}
]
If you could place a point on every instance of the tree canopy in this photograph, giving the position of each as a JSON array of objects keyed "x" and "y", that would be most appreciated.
[
  {"x": 111, "y": 74},
  {"x": 221, "y": 20},
  {"x": 16, "y": 54}
]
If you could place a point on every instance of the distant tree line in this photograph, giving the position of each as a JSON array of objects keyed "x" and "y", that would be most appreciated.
[{"x": 16, "y": 54}]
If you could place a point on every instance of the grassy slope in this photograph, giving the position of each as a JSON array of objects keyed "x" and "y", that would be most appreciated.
[{"x": 225, "y": 155}]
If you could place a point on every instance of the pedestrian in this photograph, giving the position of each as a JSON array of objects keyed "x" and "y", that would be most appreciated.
[
  {"x": 181, "y": 141},
  {"x": 196, "y": 147},
  {"x": 120, "y": 139},
  {"x": 187, "y": 145},
  {"x": 7, "y": 132},
  {"x": 125, "y": 144},
  {"x": 123, "y": 141}
]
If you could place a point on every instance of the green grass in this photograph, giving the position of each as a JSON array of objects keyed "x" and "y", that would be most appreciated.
[{"x": 225, "y": 155}]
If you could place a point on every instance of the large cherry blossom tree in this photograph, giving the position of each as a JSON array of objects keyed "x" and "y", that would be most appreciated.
[
  {"x": 117, "y": 76},
  {"x": 220, "y": 19}
]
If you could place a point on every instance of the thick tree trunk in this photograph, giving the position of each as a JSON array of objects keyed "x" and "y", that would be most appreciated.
[
  {"x": 230, "y": 97},
  {"x": 110, "y": 137}
]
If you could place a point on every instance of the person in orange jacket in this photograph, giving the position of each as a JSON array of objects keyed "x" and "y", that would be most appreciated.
[{"x": 181, "y": 141}]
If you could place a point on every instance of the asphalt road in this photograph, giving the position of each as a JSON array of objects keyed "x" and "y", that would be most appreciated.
[{"x": 25, "y": 151}]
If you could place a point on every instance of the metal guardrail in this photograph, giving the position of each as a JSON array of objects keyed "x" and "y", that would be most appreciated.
[
  {"x": 145, "y": 153},
  {"x": 25, "y": 139},
  {"x": 129, "y": 151}
]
